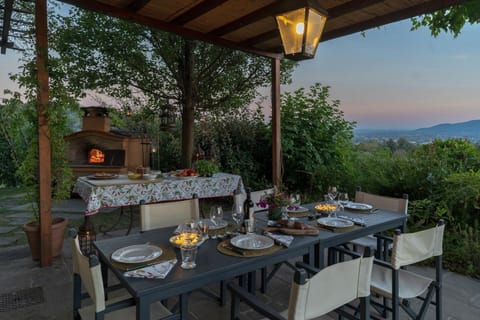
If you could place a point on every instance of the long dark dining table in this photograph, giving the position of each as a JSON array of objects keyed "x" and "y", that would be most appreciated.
[{"x": 213, "y": 266}]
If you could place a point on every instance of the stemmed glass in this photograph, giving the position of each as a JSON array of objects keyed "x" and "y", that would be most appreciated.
[
  {"x": 343, "y": 198},
  {"x": 332, "y": 193},
  {"x": 216, "y": 217},
  {"x": 237, "y": 216},
  {"x": 295, "y": 199}
]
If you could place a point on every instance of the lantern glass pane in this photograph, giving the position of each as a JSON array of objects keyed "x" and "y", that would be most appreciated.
[
  {"x": 316, "y": 23},
  {"x": 290, "y": 27}
]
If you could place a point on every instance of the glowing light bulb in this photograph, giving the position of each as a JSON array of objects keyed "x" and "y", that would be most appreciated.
[{"x": 300, "y": 28}]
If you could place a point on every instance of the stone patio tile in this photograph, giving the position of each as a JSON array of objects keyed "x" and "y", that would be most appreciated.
[
  {"x": 6, "y": 229},
  {"x": 7, "y": 241}
]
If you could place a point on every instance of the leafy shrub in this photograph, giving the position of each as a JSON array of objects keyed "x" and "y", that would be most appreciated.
[{"x": 316, "y": 141}]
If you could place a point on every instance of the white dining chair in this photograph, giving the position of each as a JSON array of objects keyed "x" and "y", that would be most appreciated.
[
  {"x": 399, "y": 205},
  {"x": 168, "y": 214},
  {"x": 87, "y": 272},
  {"x": 393, "y": 282},
  {"x": 313, "y": 297}
]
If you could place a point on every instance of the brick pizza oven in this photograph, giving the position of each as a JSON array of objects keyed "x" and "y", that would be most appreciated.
[{"x": 100, "y": 148}]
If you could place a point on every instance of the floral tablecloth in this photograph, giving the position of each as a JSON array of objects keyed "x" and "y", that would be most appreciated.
[{"x": 125, "y": 192}]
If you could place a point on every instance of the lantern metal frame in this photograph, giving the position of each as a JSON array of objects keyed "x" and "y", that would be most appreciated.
[{"x": 299, "y": 39}]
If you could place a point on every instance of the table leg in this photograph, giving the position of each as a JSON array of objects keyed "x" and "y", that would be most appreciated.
[{"x": 143, "y": 310}]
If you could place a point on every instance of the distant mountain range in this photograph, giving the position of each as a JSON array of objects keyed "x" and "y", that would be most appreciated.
[{"x": 467, "y": 130}]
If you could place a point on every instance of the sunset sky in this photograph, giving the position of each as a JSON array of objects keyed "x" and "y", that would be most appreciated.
[{"x": 391, "y": 78}]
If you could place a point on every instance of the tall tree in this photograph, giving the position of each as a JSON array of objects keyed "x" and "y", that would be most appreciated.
[{"x": 147, "y": 68}]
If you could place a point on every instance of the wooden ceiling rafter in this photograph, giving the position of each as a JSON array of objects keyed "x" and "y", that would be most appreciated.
[
  {"x": 125, "y": 14},
  {"x": 268, "y": 11},
  {"x": 137, "y": 5},
  {"x": 378, "y": 21},
  {"x": 7, "y": 19},
  {"x": 197, "y": 11},
  {"x": 351, "y": 7}
]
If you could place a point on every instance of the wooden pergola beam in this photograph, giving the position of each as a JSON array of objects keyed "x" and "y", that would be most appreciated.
[
  {"x": 276, "y": 132},
  {"x": 423, "y": 8},
  {"x": 44, "y": 151}
]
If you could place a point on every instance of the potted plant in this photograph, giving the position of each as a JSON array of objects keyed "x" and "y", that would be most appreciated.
[
  {"x": 62, "y": 178},
  {"x": 206, "y": 168},
  {"x": 274, "y": 203}
]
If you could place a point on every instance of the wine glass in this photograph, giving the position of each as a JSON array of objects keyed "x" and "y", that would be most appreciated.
[
  {"x": 295, "y": 199},
  {"x": 237, "y": 216},
  {"x": 332, "y": 193},
  {"x": 343, "y": 198},
  {"x": 216, "y": 217}
]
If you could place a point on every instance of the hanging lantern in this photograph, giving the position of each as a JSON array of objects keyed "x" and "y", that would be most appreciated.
[
  {"x": 167, "y": 117},
  {"x": 86, "y": 237},
  {"x": 301, "y": 29}
]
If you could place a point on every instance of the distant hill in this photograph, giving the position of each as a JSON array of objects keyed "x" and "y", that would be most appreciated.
[
  {"x": 469, "y": 130},
  {"x": 462, "y": 129}
]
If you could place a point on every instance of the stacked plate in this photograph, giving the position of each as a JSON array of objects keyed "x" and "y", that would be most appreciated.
[
  {"x": 252, "y": 242},
  {"x": 137, "y": 253}
]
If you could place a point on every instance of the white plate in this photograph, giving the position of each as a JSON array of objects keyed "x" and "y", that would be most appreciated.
[
  {"x": 358, "y": 206},
  {"x": 296, "y": 209},
  {"x": 137, "y": 253},
  {"x": 335, "y": 222},
  {"x": 252, "y": 242}
]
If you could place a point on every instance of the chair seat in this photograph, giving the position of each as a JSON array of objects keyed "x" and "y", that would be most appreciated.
[
  {"x": 411, "y": 284},
  {"x": 367, "y": 242},
  {"x": 284, "y": 314},
  {"x": 157, "y": 311}
]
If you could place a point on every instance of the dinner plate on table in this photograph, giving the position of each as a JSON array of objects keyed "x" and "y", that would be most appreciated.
[
  {"x": 358, "y": 206},
  {"x": 252, "y": 242},
  {"x": 137, "y": 253},
  {"x": 335, "y": 222},
  {"x": 296, "y": 209}
]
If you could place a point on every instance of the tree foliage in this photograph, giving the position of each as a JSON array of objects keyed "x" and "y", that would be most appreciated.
[
  {"x": 316, "y": 140},
  {"x": 450, "y": 20},
  {"x": 147, "y": 68}
]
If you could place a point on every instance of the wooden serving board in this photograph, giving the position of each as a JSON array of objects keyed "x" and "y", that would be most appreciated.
[{"x": 311, "y": 231}]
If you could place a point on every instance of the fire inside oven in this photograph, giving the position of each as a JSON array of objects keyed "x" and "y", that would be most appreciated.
[{"x": 96, "y": 156}]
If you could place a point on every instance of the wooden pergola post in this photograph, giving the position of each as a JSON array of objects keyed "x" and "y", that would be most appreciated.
[
  {"x": 44, "y": 157},
  {"x": 276, "y": 134}
]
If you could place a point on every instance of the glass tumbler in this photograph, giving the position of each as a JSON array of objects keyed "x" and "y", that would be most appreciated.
[{"x": 189, "y": 255}]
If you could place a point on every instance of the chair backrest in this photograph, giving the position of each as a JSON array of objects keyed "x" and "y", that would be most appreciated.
[
  {"x": 409, "y": 248},
  {"x": 314, "y": 298},
  {"x": 168, "y": 214},
  {"x": 399, "y": 205},
  {"x": 88, "y": 268}
]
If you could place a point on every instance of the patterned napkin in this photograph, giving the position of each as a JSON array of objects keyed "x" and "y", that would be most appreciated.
[
  {"x": 284, "y": 240},
  {"x": 156, "y": 271}
]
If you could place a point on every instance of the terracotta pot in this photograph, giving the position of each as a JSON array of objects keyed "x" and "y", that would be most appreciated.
[
  {"x": 275, "y": 213},
  {"x": 32, "y": 230}
]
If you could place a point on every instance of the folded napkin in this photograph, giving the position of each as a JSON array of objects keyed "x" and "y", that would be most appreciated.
[
  {"x": 284, "y": 240},
  {"x": 156, "y": 271}
]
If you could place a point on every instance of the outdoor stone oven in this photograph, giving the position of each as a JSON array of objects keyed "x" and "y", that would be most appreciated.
[{"x": 100, "y": 148}]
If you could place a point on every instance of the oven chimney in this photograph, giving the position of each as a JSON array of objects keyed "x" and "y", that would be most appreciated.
[{"x": 96, "y": 119}]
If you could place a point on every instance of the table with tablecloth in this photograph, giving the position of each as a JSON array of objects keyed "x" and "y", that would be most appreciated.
[{"x": 122, "y": 191}]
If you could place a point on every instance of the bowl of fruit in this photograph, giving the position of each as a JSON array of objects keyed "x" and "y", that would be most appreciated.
[{"x": 186, "y": 173}]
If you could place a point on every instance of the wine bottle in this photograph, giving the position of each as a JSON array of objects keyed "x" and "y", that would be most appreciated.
[{"x": 248, "y": 206}]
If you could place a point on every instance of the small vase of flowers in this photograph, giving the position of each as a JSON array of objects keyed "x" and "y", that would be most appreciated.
[{"x": 274, "y": 203}]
